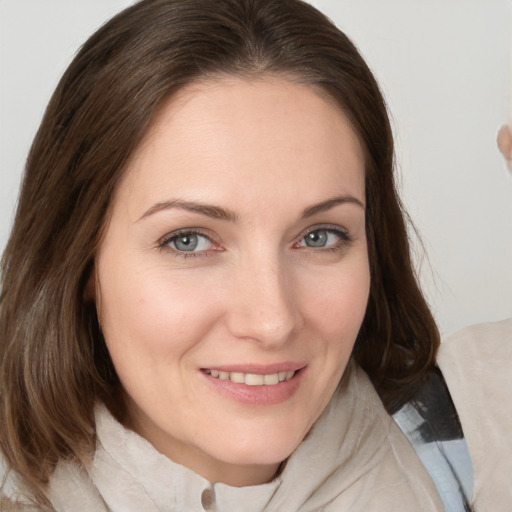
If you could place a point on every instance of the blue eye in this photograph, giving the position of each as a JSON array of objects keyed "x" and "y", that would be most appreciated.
[
  {"x": 324, "y": 238},
  {"x": 317, "y": 238},
  {"x": 188, "y": 242}
]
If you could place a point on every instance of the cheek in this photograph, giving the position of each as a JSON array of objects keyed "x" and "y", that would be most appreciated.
[
  {"x": 147, "y": 317},
  {"x": 338, "y": 301}
]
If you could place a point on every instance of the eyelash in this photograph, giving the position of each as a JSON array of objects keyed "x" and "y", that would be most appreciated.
[
  {"x": 345, "y": 240},
  {"x": 164, "y": 243}
]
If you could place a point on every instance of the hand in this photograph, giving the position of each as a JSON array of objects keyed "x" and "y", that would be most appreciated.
[{"x": 505, "y": 144}]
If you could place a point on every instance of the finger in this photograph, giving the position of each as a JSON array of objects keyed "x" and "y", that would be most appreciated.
[{"x": 505, "y": 144}]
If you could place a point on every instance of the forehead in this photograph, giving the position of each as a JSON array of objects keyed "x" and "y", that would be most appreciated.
[{"x": 230, "y": 136}]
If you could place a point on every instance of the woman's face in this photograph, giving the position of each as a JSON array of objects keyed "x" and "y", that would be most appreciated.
[{"x": 233, "y": 277}]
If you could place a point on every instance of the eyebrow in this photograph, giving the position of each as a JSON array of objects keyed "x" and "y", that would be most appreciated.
[
  {"x": 331, "y": 203},
  {"x": 216, "y": 212}
]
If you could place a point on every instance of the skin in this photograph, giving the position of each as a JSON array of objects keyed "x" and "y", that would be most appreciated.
[
  {"x": 505, "y": 144},
  {"x": 253, "y": 291}
]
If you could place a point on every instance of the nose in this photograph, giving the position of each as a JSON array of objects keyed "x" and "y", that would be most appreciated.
[{"x": 264, "y": 307}]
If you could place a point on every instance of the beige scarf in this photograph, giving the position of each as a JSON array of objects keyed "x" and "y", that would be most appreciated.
[{"x": 355, "y": 458}]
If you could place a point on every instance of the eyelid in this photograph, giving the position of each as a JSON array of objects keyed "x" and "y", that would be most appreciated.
[
  {"x": 163, "y": 243},
  {"x": 342, "y": 232}
]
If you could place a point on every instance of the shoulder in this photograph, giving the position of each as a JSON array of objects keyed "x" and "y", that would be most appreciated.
[
  {"x": 491, "y": 340},
  {"x": 69, "y": 488},
  {"x": 476, "y": 363},
  {"x": 11, "y": 497},
  {"x": 6, "y": 505}
]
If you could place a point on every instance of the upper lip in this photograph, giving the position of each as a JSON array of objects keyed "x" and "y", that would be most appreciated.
[{"x": 258, "y": 369}]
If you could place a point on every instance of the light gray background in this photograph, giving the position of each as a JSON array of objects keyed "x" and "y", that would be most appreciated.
[{"x": 444, "y": 66}]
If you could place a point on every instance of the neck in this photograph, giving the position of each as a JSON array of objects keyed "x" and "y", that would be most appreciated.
[{"x": 210, "y": 468}]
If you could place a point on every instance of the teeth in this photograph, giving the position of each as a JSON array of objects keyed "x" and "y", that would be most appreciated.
[
  {"x": 237, "y": 377},
  {"x": 252, "y": 379},
  {"x": 269, "y": 380}
]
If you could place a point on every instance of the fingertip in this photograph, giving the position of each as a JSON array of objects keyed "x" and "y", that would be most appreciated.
[{"x": 504, "y": 141}]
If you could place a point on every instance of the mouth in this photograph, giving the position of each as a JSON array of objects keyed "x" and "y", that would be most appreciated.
[
  {"x": 255, "y": 385},
  {"x": 252, "y": 379}
]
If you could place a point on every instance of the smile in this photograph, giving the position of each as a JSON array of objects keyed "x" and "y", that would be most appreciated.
[{"x": 252, "y": 379}]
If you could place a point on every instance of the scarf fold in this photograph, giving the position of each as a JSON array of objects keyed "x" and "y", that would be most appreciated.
[{"x": 355, "y": 458}]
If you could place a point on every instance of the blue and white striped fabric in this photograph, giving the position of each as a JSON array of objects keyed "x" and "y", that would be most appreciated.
[{"x": 431, "y": 424}]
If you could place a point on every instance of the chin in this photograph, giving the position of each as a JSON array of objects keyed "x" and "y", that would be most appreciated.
[{"x": 261, "y": 447}]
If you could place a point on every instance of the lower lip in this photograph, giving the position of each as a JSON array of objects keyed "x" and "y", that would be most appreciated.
[{"x": 257, "y": 395}]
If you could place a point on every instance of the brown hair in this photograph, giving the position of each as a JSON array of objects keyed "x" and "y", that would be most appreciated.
[{"x": 55, "y": 365}]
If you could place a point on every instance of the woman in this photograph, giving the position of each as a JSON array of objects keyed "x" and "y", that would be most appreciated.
[{"x": 207, "y": 297}]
